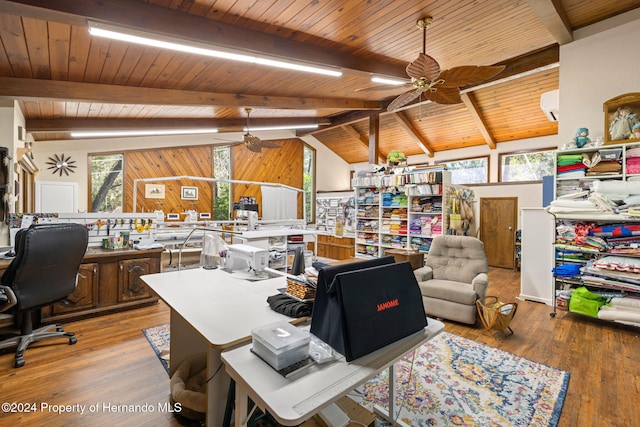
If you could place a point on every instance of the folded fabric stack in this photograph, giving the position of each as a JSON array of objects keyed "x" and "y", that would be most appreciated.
[
  {"x": 416, "y": 226},
  {"x": 633, "y": 161},
  {"x": 436, "y": 226},
  {"x": 394, "y": 199},
  {"x": 420, "y": 244},
  {"x": 571, "y": 166},
  {"x": 605, "y": 167},
  {"x": 573, "y": 206},
  {"x": 624, "y": 310}
]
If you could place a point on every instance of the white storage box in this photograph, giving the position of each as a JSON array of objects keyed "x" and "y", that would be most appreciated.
[{"x": 280, "y": 344}]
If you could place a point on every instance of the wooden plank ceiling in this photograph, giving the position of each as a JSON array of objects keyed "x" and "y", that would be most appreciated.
[{"x": 65, "y": 80}]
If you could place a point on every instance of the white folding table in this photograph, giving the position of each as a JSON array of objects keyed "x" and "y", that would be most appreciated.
[{"x": 294, "y": 399}]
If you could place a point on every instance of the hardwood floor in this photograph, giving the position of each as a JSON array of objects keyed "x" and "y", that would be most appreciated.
[{"x": 113, "y": 365}]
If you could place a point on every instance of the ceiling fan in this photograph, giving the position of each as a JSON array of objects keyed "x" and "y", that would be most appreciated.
[
  {"x": 253, "y": 143},
  {"x": 441, "y": 87}
]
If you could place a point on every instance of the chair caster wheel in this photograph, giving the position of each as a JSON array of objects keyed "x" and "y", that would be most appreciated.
[
  {"x": 72, "y": 340},
  {"x": 59, "y": 328},
  {"x": 552, "y": 314},
  {"x": 19, "y": 363}
]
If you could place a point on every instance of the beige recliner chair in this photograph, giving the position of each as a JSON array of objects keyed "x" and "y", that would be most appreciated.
[{"x": 454, "y": 277}]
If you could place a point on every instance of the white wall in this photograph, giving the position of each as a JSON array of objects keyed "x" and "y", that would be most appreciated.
[{"x": 601, "y": 63}]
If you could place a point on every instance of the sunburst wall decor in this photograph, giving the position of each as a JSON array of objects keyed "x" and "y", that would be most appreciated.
[{"x": 61, "y": 164}]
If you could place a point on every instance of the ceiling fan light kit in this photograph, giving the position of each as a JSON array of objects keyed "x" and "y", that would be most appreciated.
[
  {"x": 440, "y": 87},
  {"x": 253, "y": 143}
]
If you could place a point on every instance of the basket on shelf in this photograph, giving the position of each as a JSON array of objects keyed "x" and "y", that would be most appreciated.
[{"x": 495, "y": 314}]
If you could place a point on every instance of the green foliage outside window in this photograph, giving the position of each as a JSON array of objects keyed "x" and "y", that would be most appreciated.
[
  {"x": 526, "y": 166},
  {"x": 469, "y": 171},
  {"x": 106, "y": 183},
  {"x": 222, "y": 190}
]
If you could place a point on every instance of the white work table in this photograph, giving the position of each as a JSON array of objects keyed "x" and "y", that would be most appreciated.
[
  {"x": 211, "y": 310},
  {"x": 293, "y": 400}
]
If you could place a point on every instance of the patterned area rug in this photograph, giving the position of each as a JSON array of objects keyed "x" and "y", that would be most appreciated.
[
  {"x": 458, "y": 382},
  {"x": 158, "y": 337}
]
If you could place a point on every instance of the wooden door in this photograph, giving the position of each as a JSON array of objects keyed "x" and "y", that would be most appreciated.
[{"x": 498, "y": 219}]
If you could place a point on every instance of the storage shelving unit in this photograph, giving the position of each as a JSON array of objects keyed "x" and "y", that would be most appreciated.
[
  {"x": 400, "y": 211},
  {"x": 571, "y": 247}
]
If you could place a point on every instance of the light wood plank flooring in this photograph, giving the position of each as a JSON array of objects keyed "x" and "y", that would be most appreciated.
[{"x": 112, "y": 364}]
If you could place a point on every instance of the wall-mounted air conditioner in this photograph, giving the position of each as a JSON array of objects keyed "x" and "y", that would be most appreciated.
[{"x": 550, "y": 104}]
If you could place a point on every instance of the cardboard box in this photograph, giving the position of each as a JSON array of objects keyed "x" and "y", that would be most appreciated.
[{"x": 353, "y": 410}]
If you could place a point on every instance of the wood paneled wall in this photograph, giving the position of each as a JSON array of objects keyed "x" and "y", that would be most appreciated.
[
  {"x": 279, "y": 165},
  {"x": 167, "y": 162}
]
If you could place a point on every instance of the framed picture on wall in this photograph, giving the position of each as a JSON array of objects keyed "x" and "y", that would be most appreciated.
[
  {"x": 154, "y": 191},
  {"x": 189, "y": 193}
]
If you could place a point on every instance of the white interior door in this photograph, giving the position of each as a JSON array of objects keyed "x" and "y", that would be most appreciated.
[{"x": 56, "y": 197}]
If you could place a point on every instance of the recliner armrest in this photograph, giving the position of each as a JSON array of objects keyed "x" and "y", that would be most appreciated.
[
  {"x": 480, "y": 284},
  {"x": 423, "y": 273}
]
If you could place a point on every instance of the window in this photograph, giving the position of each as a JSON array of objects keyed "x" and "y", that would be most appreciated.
[
  {"x": 529, "y": 166},
  {"x": 469, "y": 171},
  {"x": 106, "y": 182},
  {"x": 309, "y": 182},
  {"x": 222, "y": 193}
]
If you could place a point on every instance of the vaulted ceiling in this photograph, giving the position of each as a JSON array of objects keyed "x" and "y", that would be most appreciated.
[{"x": 67, "y": 80}]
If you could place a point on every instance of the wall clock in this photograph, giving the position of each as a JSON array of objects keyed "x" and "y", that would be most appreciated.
[{"x": 61, "y": 164}]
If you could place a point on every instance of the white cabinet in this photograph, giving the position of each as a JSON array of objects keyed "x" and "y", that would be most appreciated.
[{"x": 538, "y": 255}]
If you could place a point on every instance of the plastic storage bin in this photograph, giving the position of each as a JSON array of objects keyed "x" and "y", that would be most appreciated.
[
  {"x": 280, "y": 344},
  {"x": 610, "y": 153}
]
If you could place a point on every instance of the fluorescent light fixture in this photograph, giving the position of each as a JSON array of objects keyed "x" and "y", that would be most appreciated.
[
  {"x": 133, "y": 36},
  {"x": 149, "y": 132},
  {"x": 388, "y": 80},
  {"x": 283, "y": 127}
]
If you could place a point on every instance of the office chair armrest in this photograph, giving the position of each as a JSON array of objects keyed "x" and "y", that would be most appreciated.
[
  {"x": 480, "y": 283},
  {"x": 423, "y": 273},
  {"x": 7, "y": 298}
]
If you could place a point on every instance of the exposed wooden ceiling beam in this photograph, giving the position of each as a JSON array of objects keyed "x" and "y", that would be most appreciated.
[
  {"x": 405, "y": 123},
  {"x": 223, "y": 125},
  {"x": 178, "y": 25},
  {"x": 354, "y": 134},
  {"x": 93, "y": 92},
  {"x": 374, "y": 138},
  {"x": 553, "y": 16},
  {"x": 470, "y": 103}
]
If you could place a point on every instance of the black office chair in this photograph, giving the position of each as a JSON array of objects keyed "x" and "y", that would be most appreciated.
[{"x": 44, "y": 271}]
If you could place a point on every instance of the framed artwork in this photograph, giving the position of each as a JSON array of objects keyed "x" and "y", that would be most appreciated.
[
  {"x": 189, "y": 193},
  {"x": 622, "y": 119},
  {"x": 154, "y": 191}
]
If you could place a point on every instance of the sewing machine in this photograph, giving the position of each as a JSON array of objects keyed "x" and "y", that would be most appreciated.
[{"x": 247, "y": 261}]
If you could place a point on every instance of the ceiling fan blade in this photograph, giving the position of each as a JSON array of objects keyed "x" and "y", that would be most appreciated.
[
  {"x": 256, "y": 148},
  {"x": 468, "y": 74},
  {"x": 404, "y": 99},
  {"x": 444, "y": 95},
  {"x": 269, "y": 144},
  {"x": 423, "y": 66}
]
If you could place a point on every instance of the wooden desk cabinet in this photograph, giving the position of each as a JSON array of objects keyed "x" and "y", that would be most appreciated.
[
  {"x": 335, "y": 247},
  {"x": 108, "y": 281}
]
